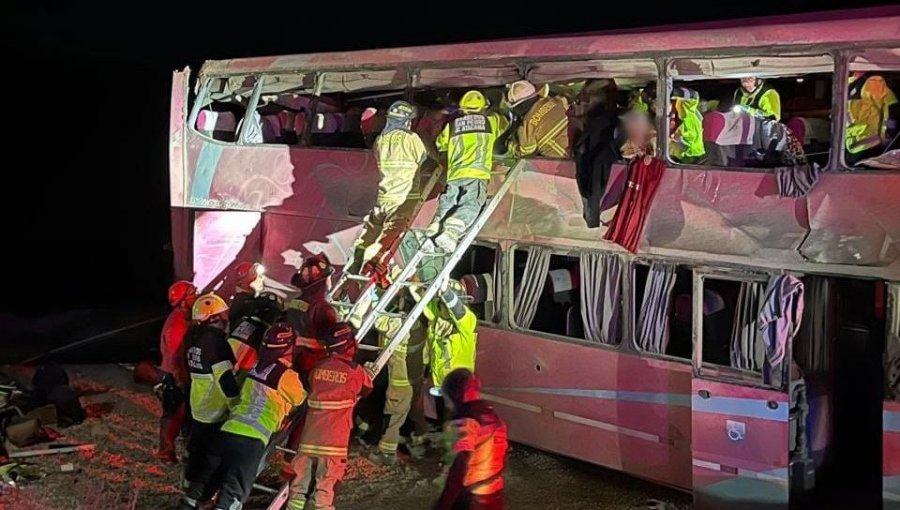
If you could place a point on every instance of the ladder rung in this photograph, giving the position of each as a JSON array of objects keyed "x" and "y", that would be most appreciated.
[
  {"x": 393, "y": 315},
  {"x": 413, "y": 284},
  {"x": 357, "y": 277},
  {"x": 366, "y": 347}
]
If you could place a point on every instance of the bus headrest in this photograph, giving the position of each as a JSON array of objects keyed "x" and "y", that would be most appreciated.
[
  {"x": 479, "y": 287},
  {"x": 713, "y": 124},
  {"x": 209, "y": 121}
]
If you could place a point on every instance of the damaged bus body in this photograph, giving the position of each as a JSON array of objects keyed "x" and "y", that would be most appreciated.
[{"x": 642, "y": 362}]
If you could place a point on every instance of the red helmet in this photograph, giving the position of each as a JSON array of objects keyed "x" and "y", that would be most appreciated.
[
  {"x": 182, "y": 294},
  {"x": 340, "y": 338},
  {"x": 278, "y": 341},
  {"x": 313, "y": 270},
  {"x": 246, "y": 273}
]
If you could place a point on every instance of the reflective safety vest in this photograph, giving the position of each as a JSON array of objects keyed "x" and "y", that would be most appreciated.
[
  {"x": 469, "y": 143},
  {"x": 398, "y": 373},
  {"x": 244, "y": 341},
  {"x": 764, "y": 101},
  {"x": 267, "y": 396},
  {"x": 687, "y": 140},
  {"x": 334, "y": 385},
  {"x": 452, "y": 342},
  {"x": 399, "y": 153},
  {"x": 208, "y": 359},
  {"x": 478, "y": 430},
  {"x": 868, "y": 113}
]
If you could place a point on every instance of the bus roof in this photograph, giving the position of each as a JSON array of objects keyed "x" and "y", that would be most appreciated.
[{"x": 840, "y": 28}]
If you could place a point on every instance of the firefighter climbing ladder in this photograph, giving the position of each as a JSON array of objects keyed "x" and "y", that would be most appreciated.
[
  {"x": 432, "y": 287},
  {"x": 403, "y": 280}
]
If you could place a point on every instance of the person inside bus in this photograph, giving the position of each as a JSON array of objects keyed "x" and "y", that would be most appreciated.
[
  {"x": 544, "y": 125},
  {"x": 757, "y": 98},
  {"x": 871, "y": 116},
  {"x": 686, "y": 126},
  {"x": 468, "y": 141}
]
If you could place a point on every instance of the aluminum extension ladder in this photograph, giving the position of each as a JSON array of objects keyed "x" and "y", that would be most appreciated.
[
  {"x": 432, "y": 287},
  {"x": 403, "y": 281}
]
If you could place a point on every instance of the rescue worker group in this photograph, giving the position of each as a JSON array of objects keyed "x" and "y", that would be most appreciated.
[{"x": 251, "y": 373}]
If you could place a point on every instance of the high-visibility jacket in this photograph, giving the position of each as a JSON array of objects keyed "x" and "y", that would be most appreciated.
[
  {"x": 544, "y": 129},
  {"x": 244, "y": 341},
  {"x": 868, "y": 113},
  {"x": 764, "y": 101},
  {"x": 687, "y": 140},
  {"x": 398, "y": 373},
  {"x": 268, "y": 395},
  {"x": 334, "y": 385},
  {"x": 452, "y": 342},
  {"x": 171, "y": 345},
  {"x": 311, "y": 316},
  {"x": 477, "y": 429},
  {"x": 210, "y": 363},
  {"x": 469, "y": 143},
  {"x": 399, "y": 153}
]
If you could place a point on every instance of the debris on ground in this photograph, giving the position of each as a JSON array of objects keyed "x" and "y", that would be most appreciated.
[{"x": 122, "y": 472}]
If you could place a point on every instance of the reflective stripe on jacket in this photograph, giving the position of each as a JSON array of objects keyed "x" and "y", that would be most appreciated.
[
  {"x": 208, "y": 359},
  {"x": 687, "y": 140},
  {"x": 544, "y": 130},
  {"x": 469, "y": 143},
  {"x": 452, "y": 342},
  {"x": 478, "y": 430},
  {"x": 399, "y": 153},
  {"x": 764, "y": 101},
  {"x": 334, "y": 385},
  {"x": 868, "y": 113},
  {"x": 267, "y": 396}
]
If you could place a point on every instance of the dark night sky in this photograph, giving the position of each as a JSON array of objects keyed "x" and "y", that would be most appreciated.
[{"x": 85, "y": 177}]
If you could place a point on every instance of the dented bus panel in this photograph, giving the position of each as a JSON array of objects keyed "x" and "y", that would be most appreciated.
[{"x": 727, "y": 437}]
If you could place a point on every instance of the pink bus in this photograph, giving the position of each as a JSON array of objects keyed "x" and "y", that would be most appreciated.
[{"x": 645, "y": 362}]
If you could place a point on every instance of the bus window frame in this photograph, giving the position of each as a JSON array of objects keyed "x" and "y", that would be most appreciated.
[
  {"x": 499, "y": 288},
  {"x": 721, "y": 373},
  {"x": 663, "y": 107},
  {"x": 635, "y": 307},
  {"x": 892, "y": 292},
  {"x": 510, "y": 284},
  {"x": 847, "y": 57}
]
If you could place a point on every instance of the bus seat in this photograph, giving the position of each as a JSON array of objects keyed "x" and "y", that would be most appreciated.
[
  {"x": 300, "y": 124},
  {"x": 480, "y": 289},
  {"x": 562, "y": 283},
  {"x": 713, "y": 124},
  {"x": 330, "y": 123},
  {"x": 810, "y": 130},
  {"x": 219, "y": 125},
  {"x": 286, "y": 118},
  {"x": 271, "y": 128}
]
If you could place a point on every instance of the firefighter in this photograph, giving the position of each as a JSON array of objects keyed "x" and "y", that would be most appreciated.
[
  {"x": 310, "y": 313},
  {"x": 246, "y": 337},
  {"x": 468, "y": 141},
  {"x": 686, "y": 126},
  {"x": 335, "y": 384},
  {"x": 248, "y": 282},
  {"x": 270, "y": 392},
  {"x": 175, "y": 377},
  {"x": 479, "y": 445},
  {"x": 451, "y": 333},
  {"x": 757, "y": 98},
  {"x": 406, "y": 371},
  {"x": 870, "y": 124},
  {"x": 399, "y": 153},
  {"x": 213, "y": 388},
  {"x": 544, "y": 127}
]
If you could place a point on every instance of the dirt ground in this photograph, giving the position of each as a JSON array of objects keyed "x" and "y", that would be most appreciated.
[{"x": 123, "y": 473}]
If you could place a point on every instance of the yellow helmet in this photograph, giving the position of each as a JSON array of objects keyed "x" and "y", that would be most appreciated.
[
  {"x": 208, "y": 306},
  {"x": 473, "y": 102}
]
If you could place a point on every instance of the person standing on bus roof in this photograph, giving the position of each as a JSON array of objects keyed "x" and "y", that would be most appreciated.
[
  {"x": 175, "y": 379},
  {"x": 758, "y": 98},
  {"x": 468, "y": 141},
  {"x": 544, "y": 128},
  {"x": 399, "y": 153}
]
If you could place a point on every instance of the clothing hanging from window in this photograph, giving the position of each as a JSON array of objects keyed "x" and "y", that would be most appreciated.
[
  {"x": 779, "y": 320},
  {"x": 813, "y": 345},
  {"x": 627, "y": 224}
]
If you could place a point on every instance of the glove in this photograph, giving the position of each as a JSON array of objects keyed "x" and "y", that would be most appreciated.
[
  {"x": 371, "y": 368},
  {"x": 378, "y": 273}
]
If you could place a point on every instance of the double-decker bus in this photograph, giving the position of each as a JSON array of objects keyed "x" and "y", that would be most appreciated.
[{"x": 646, "y": 362}]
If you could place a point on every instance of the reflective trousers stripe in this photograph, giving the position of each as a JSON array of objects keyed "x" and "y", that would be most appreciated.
[
  {"x": 328, "y": 451},
  {"x": 331, "y": 405}
]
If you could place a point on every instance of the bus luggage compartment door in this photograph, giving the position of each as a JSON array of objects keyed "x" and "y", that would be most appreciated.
[{"x": 740, "y": 439}]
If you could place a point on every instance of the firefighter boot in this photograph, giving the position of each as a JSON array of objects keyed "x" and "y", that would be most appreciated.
[
  {"x": 446, "y": 242},
  {"x": 383, "y": 459}
]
